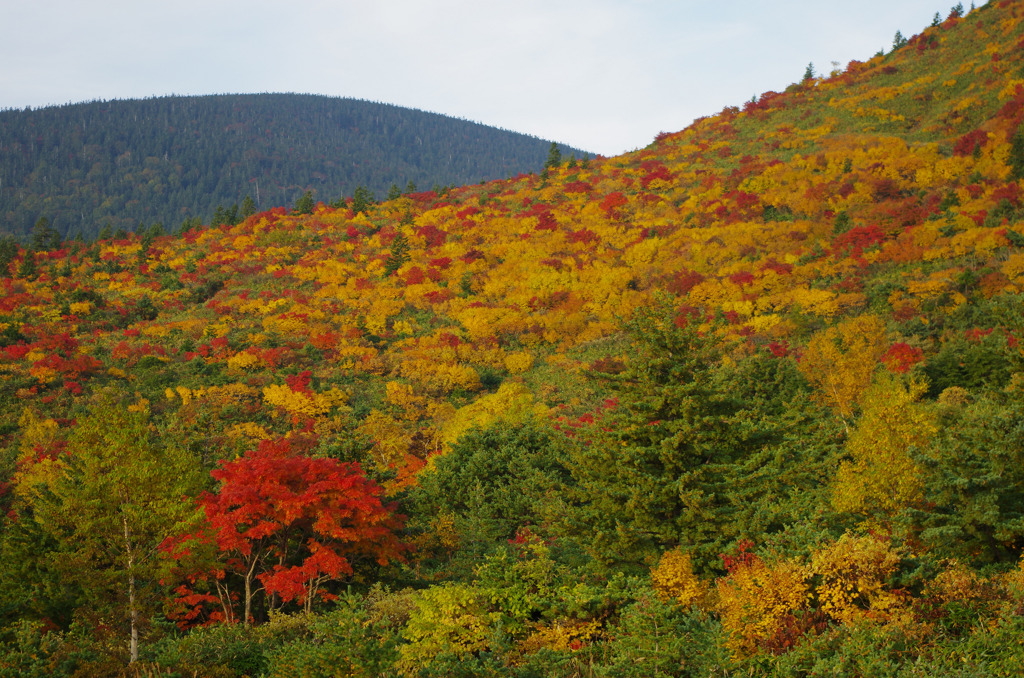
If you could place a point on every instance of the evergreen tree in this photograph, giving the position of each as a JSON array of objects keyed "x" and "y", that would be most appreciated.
[
  {"x": 305, "y": 204},
  {"x": 28, "y": 269},
  {"x": 44, "y": 237},
  {"x": 248, "y": 207},
  {"x": 1016, "y": 159},
  {"x": 809, "y": 73},
  {"x": 898, "y": 41},
  {"x": 410, "y": 187},
  {"x": 399, "y": 254},
  {"x": 394, "y": 192},
  {"x": 362, "y": 199},
  {"x": 554, "y": 157},
  {"x": 8, "y": 252}
]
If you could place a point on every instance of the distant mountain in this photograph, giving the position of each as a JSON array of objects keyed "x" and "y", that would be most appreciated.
[{"x": 167, "y": 159}]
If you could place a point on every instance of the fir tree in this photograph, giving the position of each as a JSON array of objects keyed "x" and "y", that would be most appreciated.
[{"x": 399, "y": 254}]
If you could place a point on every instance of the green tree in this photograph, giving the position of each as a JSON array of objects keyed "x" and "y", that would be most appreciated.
[
  {"x": 1016, "y": 159},
  {"x": 399, "y": 254},
  {"x": 696, "y": 453},
  {"x": 394, "y": 192},
  {"x": 117, "y": 496},
  {"x": 44, "y": 236},
  {"x": 362, "y": 199},
  {"x": 305, "y": 204},
  {"x": 898, "y": 41},
  {"x": 974, "y": 478},
  {"x": 809, "y": 73},
  {"x": 248, "y": 207},
  {"x": 554, "y": 157},
  {"x": 29, "y": 268}
]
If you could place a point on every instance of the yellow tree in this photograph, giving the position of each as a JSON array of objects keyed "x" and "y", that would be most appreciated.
[
  {"x": 840, "y": 361},
  {"x": 881, "y": 477}
]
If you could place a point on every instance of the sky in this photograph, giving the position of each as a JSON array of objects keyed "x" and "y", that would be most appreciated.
[{"x": 605, "y": 76}]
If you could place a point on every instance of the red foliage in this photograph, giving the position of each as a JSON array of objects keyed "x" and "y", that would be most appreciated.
[
  {"x": 683, "y": 281},
  {"x": 414, "y": 276},
  {"x": 901, "y": 357},
  {"x": 310, "y": 515},
  {"x": 612, "y": 201},
  {"x": 741, "y": 556},
  {"x": 433, "y": 236},
  {"x": 966, "y": 144}
]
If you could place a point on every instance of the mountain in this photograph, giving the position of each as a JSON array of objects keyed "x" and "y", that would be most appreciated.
[
  {"x": 748, "y": 401},
  {"x": 168, "y": 159}
]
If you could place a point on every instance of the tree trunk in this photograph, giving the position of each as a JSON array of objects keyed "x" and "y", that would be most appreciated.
[{"x": 133, "y": 612}]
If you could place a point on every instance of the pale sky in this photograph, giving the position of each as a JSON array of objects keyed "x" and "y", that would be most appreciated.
[{"x": 602, "y": 75}]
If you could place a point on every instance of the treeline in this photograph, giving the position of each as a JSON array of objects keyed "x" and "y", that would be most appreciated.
[{"x": 164, "y": 160}]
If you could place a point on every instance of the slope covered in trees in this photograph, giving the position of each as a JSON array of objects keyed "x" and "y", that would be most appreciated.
[
  {"x": 746, "y": 402},
  {"x": 168, "y": 159}
]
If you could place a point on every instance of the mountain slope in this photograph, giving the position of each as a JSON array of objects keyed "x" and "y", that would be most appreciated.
[
  {"x": 747, "y": 401},
  {"x": 172, "y": 158}
]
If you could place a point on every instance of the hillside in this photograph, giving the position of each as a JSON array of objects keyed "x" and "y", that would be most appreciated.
[
  {"x": 746, "y": 402},
  {"x": 168, "y": 159}
]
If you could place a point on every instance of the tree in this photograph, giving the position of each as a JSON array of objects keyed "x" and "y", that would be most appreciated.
[
  {"x": 248, "y": 207},
  {"x": 898, "y": 41},
  {"x": 554, "y": 157},
  {"x": 881, "y": 478},
  {"x": 362, "y": 199},
  {"x": 394, "y": 192},
  {"x": 669, "y": 464},
  {"x": 809, "y": 73},
  {"x": 288, "y": 524},
  {"x": 305, "y": 204},
  {"x": 44, "y": 237},
  {"x": 118, "y": 495},
  {"x": 399, "y": 254},
  {"x": 1016, "y": 159}
]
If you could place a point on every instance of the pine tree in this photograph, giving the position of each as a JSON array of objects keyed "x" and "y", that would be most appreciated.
[
  {"x": 554, "y": 157},
  {"x": 399, "y": 254},
  {"x": 305, "y": 204},
  {"x": 898, "y": 41}
]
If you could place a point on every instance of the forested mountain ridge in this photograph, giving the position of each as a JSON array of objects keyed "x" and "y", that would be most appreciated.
[
  {"x": 749, "y": 401},
  {"x": 167, "y": 159}
]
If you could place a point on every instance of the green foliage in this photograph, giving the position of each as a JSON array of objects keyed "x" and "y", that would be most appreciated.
[
  {"x": 348, "y": 638},
  {"x": 399, "y": 254},
  {"x": 271, "y": 141},
  {"x": 1016, "y": 159},
  {"x": 975, "y": 483},
  {"x": 554, "y": 158},
  {"x": 494, "y": 481},
  {"x": 696, "y": 453},
  {"x": 305, "y": 204}
]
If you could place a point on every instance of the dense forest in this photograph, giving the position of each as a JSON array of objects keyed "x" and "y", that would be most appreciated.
[
  {"x": 749, "y": 401},
  {"x": 170, "y": 159}
]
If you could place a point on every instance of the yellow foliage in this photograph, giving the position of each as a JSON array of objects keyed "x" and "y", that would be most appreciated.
[
  {"x": 853, "y": 573},
  {"x": 390, "y": 439},
  {"x": 513, "y": 402},
  {"x": 519, "y": 362},
  {"x": 841, "y": 360},
  {"x": 755, "y": 598},
  {"x": 451, "y": 618},
  {"x": 957, "y": 582},
  {"x": 673, "y": 579},
  {"x": 881, "y": 478},
  {"x": 247, "y": 430},
  {"x": 561, "y": 636},
  {"x": 243, "y": 361},
  {"x": 310, "y": 405}
]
